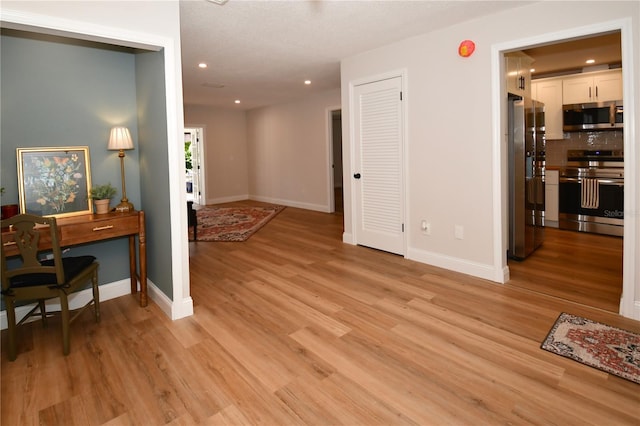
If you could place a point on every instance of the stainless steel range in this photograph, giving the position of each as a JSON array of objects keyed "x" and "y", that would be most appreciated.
[{"x": 592, "y": 192}]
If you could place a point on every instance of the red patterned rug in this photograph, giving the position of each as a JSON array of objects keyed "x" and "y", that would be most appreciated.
[
  {"x": 232, "y": 223},
  {"x": 597, "y": 345}
]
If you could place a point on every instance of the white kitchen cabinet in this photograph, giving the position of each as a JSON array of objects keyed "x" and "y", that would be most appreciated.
[
  {"x": 551, "y": 198},
  {"x": 549, "y": 92},
  {"x": 518, "y": 67},
  {"x": 592, "y": 87}
]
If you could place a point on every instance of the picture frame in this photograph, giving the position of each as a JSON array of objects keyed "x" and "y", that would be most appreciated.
[{"x": 54, "y": 181}]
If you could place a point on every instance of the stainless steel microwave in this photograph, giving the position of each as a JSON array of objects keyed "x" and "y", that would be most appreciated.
[{"x": 592, "y": 116}]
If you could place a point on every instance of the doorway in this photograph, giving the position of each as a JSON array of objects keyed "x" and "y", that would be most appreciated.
[
  {"x": 625, "y": 267},
  {"x": 194, "y": 166},
  {"x": 336, "y": 193}
]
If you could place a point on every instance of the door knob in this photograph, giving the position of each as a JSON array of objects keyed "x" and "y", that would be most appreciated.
[{"x": 357, "y": 175}]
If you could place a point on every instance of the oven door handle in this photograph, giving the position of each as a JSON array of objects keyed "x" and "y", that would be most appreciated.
[
  {"x": 601, "y": 181},
  {"x": 611, "y": 182},
  {"x": 569, "y": 180}
]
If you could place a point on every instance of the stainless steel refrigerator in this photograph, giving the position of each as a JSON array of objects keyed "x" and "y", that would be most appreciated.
[{"x": 526, "y": 180}]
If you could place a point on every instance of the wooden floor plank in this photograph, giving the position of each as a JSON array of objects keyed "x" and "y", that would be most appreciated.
[{"x": 295, "y": 327}]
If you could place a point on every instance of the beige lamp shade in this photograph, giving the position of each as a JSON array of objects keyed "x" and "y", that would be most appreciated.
[{"x": 120, "y": 138}]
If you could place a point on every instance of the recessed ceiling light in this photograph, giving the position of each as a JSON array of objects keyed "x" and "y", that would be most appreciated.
[
  {"x": 202, "y": 65},
  {"x": 237, "y": 101},
  {"x": 590, "y": 61},
  {"x": 532, "y": 70},
  {"x": 307, "y": 82}
]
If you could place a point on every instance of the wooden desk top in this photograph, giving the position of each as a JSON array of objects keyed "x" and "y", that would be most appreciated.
[{"x": 88, "y": 228}]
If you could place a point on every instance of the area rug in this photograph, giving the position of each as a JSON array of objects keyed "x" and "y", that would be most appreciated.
[
  {"x": 232, "y": 223},
  {"x": 597, "y": 345}
]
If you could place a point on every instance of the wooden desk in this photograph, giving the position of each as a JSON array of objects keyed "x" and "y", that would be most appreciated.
[{"x": 89, "y": 228}]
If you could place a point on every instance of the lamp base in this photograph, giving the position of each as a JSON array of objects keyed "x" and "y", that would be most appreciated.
[{"x": 124, "y": 207}]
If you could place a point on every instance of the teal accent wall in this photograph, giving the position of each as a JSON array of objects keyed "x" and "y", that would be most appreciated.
[
  {"x": 154, "y": 166},
  {"x": 56, "y": 92}
]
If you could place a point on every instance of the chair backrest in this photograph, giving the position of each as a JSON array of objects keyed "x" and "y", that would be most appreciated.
[{"x": 28, "y": 230}]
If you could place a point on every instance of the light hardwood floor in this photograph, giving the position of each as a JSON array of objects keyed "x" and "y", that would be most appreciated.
[
  {"x": 577, "y": 266},
  {"x": 295, "y": 327}
]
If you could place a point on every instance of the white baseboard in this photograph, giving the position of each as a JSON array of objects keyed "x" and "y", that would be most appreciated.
[
  {"x": 347, "y": 238},
  {"x": 107, "y": 292},
  {"x": 281, "y": 201},
  {"x": 172, "y": 310},
  {"x": 76, "y": 300},
  {"x": 475, "y": 269},
  {"x": 222, "y": 200},
  {"x": 290, "y": 203}
]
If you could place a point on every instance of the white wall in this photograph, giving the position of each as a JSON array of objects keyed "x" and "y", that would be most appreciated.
[
  {"x": 451, "y": 141},
  {"x": 225, "y": 151},
  {"x": 288, "y": 152}
]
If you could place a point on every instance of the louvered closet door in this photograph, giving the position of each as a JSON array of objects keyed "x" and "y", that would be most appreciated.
[{"x": 378, "y": 175}]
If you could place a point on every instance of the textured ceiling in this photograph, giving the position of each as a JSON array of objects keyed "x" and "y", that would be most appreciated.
[{"x": 262, "y": 51}]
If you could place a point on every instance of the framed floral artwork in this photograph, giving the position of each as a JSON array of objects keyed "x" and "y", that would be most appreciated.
[{"x": 54, "y": 181}]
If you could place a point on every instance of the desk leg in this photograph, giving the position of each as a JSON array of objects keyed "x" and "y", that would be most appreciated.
[
  {"x": 142, "y": 238},
  {"x": 133, "y": 271}
]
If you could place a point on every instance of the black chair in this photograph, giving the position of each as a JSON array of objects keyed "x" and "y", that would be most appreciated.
[
  {"x": 192, "y": 218},
  {"x": 38, "y": 280}
]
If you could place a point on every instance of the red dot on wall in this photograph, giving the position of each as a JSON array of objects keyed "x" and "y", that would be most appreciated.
[{"x": 466, "y": 48}]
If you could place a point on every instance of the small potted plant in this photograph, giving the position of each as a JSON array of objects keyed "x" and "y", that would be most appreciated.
[{"x": 101, "y": 196}]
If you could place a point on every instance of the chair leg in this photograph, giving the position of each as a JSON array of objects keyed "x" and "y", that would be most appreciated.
[
  {"x": 64, "y": 308},
  {"x": 96, "y": 295},
  {"x": 11, "y": 327},
  {"x": 43, "y": 312}
]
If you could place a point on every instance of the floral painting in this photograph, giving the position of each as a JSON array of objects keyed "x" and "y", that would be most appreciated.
[{"x": 54, "y": 181}]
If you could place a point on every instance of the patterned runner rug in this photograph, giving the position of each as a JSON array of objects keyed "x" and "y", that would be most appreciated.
[
  {"x": 597, "y": 345},
  {"x": 232, "y": 223}
]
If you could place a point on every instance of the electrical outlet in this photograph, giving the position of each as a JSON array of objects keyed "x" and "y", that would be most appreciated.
[
  {"x": 458, "y": 232},
  {"x": 426, "y": 227}
]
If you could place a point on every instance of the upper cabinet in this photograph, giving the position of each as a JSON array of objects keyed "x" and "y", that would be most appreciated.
[
  {"x": 518, "y": 67},
  {"x": 595, "y": 87},
  {"x": 549, "y": 92}
]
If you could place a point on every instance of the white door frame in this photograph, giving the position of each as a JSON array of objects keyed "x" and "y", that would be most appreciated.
[
  {"x": 200, "y": 196},
  {"x": 630, "y": 289},
  {"x": 330, "y": 157}
]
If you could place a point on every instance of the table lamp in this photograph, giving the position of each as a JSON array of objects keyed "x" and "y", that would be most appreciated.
[{"x": 119, "y": 140}]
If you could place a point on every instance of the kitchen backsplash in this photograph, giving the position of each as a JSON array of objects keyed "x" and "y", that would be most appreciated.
[{"x": 556, "y": 149}]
